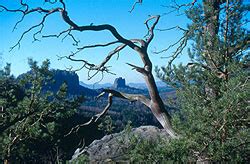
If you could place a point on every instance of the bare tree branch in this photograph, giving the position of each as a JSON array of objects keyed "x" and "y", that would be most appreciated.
[
  {"x": 177, "y": 7},
  {"x": 178, "y": 51},
  {"x": 93, "y": 67},
  {"x": 31, "y": 28},
  {"x": 67, "y": 20},
  {"x": 50, "y": 1},
  {"x": 171, "y": 28},
  {"x": 111, "y": 94},
  {"x": 98, "y": 45},
  {"x": 151, "y": 29},
  {"x": 133, "y": 7},
  {"x": 138, "y": 69},
  {"x": 58, "y": 35},
  {"x": 181, "y": 40},
  {"x": 130, "y": 97},
  {"x": 95, "y": 118}
]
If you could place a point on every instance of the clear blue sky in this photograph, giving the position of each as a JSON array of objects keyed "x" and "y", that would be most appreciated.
[{"x": 84, "y": 12}]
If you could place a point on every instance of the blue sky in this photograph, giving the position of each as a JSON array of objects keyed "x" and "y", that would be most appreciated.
[{"x": 84, "y": 12}]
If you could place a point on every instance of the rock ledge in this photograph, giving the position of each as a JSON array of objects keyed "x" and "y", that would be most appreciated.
[{"x": 113, "y": 147}]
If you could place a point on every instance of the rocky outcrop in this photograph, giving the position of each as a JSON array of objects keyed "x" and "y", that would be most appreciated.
[
  {"x": 72, "y": 81},
  {"x": 119, "y": 83},
  {"x": 62, "y": 76},
  {"x": 68, "y": 77},
  {"x": 114, "y": 147}
]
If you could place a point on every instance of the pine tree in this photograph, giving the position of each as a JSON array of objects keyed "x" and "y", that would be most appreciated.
[
  {"x": 212, "y": 89},
  {"x": 34, "y": 121}
]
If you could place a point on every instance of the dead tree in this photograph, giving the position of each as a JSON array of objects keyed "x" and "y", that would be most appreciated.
[{"x": 140, "y": 46}]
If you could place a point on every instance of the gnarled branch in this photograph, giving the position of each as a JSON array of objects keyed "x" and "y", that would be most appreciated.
[{"x": 111, "y": 94}]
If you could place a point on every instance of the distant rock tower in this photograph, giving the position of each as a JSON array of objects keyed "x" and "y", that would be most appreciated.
[{"x": 119, "y": 83}]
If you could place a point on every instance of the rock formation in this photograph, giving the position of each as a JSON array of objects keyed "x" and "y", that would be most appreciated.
[
  {"x": 70, "y": 78},
  {"x": 114, "y": 147},
  {"x": 72, "y": 81},
  {"x": 119, "y": 83}
]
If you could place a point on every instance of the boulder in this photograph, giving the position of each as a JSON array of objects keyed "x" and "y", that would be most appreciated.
[{"x": 114, "y": 147}]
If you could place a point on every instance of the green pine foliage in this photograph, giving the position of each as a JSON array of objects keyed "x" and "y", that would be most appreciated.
[
  {"x": 213, "y": 89},
  {"x": 34, "y": 121},
  {"x": 157, "y": 150}
]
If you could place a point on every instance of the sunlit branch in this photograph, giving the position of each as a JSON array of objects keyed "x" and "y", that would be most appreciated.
[{"x": 131, "y": 97}]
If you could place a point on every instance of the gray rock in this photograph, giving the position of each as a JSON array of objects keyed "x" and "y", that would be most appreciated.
[{"x": 114, "y": 147}]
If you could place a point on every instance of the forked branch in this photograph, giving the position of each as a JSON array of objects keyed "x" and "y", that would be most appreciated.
[
  {"x": 94, "y": 119},
  {"x": 151, "y": 29},
  {"x": 111, "y": 94}
]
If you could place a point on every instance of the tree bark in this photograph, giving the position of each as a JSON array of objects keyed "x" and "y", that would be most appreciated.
[{"x": 156, "y": 104}]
